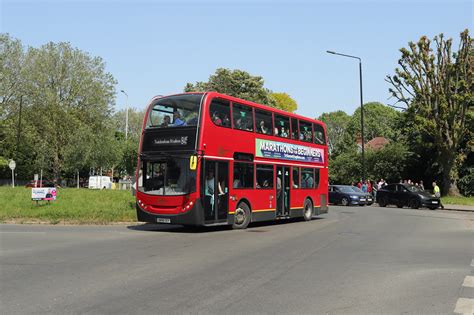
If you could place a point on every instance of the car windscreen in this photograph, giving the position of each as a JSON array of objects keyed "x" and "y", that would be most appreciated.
[
  {"x": 357, "y": 189},
  {"x": 412, "y": 188},
  {"x": 345, "y": 189},
  {"x": 175, "y": 111}
]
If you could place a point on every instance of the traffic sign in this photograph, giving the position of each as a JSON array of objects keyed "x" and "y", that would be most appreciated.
[{"x": 12, "y": 165}]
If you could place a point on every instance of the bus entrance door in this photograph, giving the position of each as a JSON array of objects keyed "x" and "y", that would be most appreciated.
[
  {"x": 214, "y": 191},
  {"x": 283, "y": 191}
]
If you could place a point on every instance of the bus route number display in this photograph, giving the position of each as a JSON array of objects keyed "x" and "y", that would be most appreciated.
[{"x": 288, "y": 151}]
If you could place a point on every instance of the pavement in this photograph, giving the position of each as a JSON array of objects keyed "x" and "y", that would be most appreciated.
[
  {"x": 353, "y": 260},
  {"x": 458, "y": 207}
]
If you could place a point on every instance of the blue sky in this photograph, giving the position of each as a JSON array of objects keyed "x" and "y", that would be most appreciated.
[{"x": 156, "y": 47}]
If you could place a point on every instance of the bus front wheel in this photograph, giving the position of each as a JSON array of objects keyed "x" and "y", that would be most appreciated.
[{"x": 241, "y": 216}]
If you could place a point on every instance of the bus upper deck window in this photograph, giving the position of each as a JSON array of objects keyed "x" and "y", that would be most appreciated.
[
  {"x": 220, "y": 112},
  {"x": 282, "y": 126},
  {"x": 319, "y": 137},
  {"x": 306, "y": 131},
  {"x": 263, "y": 121},
  {"x": 242, "y": 117}
]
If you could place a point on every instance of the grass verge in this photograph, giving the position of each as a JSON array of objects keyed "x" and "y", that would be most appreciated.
[
  {"x": 76, "y": 206},
  {"x": 466, "y": 201}
]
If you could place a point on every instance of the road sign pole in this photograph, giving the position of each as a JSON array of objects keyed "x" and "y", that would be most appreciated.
[{"x": 12, "y": 166}]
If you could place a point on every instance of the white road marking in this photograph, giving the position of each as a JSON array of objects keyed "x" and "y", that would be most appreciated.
[
  {"x": 468, "y": 282},
  {"x": 464, "y": 306}
]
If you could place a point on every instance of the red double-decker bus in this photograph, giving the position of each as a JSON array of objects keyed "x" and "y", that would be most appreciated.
[{"x": 211, "y": 159}]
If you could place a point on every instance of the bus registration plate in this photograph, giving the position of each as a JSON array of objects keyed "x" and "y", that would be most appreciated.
[{"x": 163, "y": 220}]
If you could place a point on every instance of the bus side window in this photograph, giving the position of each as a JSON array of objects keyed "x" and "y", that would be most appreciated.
[
  {"x": 220, "y": 112},
  {"x": 316, "y": 178},
  {"x": 263, "y": 121},
  {"x": 294, "y": 128},
  {"x": 307, "y": 178},
  {"x": 306, "y": 131},
  {"x": 242, "y": 117},
  {"x": 296, "y": 177},
  {"x": 264, "y": 176},
  {"x": 319, "y": 137},
  {"x": 282, "y": 126},
  {"x": 243, "y": 175}
]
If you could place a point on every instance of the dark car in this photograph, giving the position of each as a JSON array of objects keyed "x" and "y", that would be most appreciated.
[
  {"x": 405, "y": 195},
  {"x": 346, "y": 196},
  {"x": 369, "y": 200},
  {"x": 40, "y": 183}
]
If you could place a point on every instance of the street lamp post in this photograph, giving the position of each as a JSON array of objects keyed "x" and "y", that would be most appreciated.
[
  {"x": 126, "y": 115},
  {"x": 361, "y": 106}
]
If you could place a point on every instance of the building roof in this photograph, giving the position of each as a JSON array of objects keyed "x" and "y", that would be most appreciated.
[{"x": 377, "y": 143}]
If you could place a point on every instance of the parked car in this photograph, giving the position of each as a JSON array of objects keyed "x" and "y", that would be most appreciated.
[
  {"x": 405, "y": 195},
  {"x": 40, "y": 183},
  {"x": 346, "y": 196},
  {"x": 369, "y": 199}
]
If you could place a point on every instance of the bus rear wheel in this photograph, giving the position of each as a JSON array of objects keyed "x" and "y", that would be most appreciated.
[
  {"x": 308, "y": 210},
  {"x": 241, "y": 216}
]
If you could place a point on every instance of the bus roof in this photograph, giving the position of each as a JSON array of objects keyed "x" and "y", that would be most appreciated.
[{"x": 239, "y": 100}]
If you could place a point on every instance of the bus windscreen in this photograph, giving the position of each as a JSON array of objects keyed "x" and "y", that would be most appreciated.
[{"x": 175, "y": 111}]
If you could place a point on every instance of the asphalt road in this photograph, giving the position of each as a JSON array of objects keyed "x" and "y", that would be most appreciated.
[{"x": 354, "y": 260}]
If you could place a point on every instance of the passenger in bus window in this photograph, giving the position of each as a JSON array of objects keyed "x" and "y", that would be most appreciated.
[
  {"x": 236, "y": 183},
  {"x": 262, "y": 127},
  {"x": 192, "y": 121},
  {"x": 216, "y": 119},
  {"x": 283, "y": 133},
  {"x": 307, "y": 181},
  {"x": 318, "y": 137},
  {"x": 166, "y": 121},
  {"x": 307, "y": 136},
  {"x": 276, "y": 131},
  {"x": 238, "y": 123},
  {"x": 226, "y": 121},
  {"x": 177, "y": 119}
]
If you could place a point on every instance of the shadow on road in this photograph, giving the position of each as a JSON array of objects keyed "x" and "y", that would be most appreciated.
[{"x": 253, "y": 227}]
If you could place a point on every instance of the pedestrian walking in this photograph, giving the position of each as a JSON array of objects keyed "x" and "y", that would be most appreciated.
[{"x": 437, "y": 194}]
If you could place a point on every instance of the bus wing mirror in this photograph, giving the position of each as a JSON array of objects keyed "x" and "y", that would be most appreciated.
[{"x": 193, "y": 162}]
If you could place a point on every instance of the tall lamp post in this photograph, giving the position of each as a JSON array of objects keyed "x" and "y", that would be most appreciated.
[
  {"x": 361, "y": 106},
  {"x": 126, "y": 115}
]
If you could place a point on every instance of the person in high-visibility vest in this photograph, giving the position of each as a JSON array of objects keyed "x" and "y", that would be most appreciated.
[{"x": 437, "y": 194}]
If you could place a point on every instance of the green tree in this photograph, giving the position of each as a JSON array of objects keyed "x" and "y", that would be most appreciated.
[
  {"x": 345, "y": 168},
  {"x": 284, "y": 102},
  {"x": 65, "y": 98},
  {"x": 235, "y": 83},
  {"x": 436, "y": 85},
  {"x": 379, "y": 121},
  {"x": 336, "y": 125},
  {"x": 389, "y": 162}
]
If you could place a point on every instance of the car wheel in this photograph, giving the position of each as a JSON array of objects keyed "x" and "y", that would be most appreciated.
[
  {"x": 414, "y": 203},
  {"x": 345, "y": 201},
  {"x": 399, "y": 205},
  {"x": 432, "y": 208},
  {"x": 308, "y": 210},
  {"x": 241, "y": 216},
  {"x": 382, "y": 202}
]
